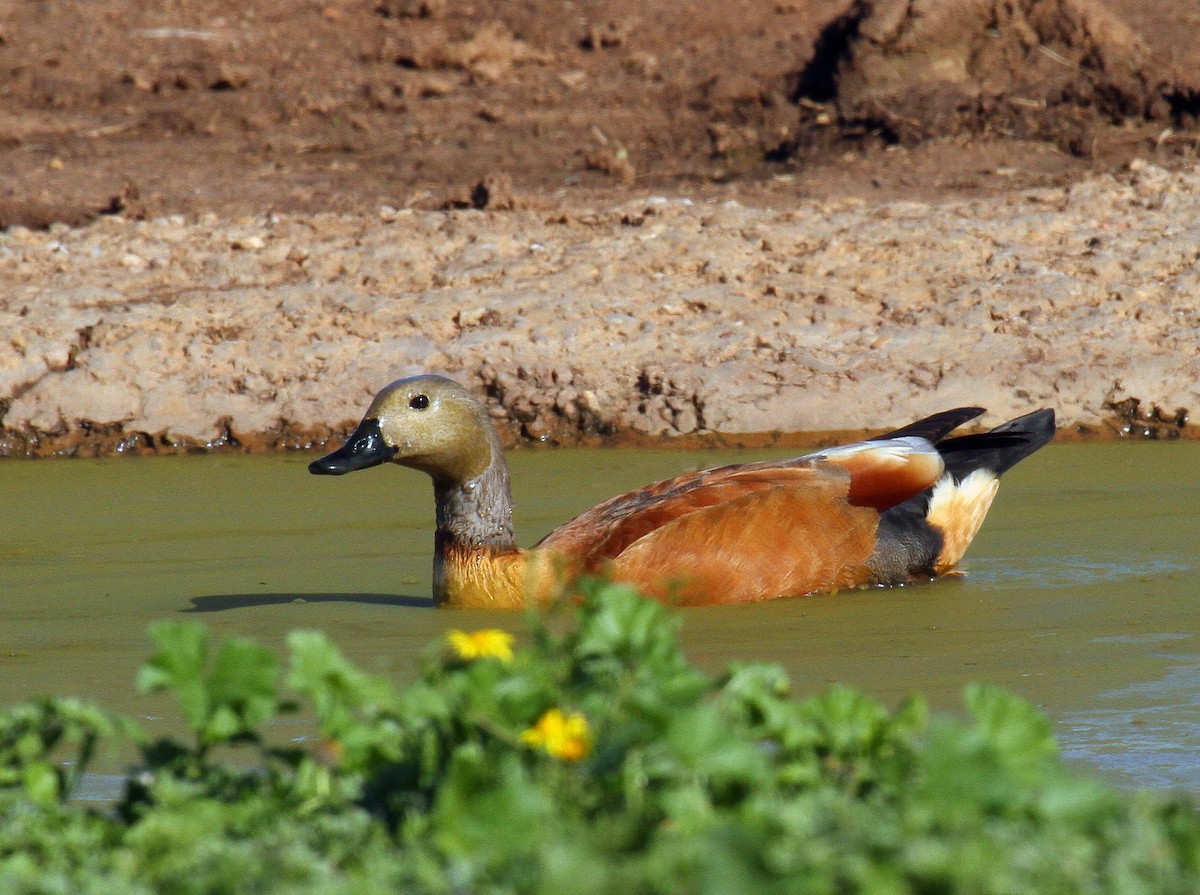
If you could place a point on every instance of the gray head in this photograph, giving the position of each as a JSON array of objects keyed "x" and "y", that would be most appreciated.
[{"x": 429, "y": 423}]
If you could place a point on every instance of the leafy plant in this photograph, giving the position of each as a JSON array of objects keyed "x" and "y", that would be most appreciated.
[
  {"x": 593, "y": 759},
  {"x": 36, "y": 738},
  {"x": 225, "y": 701}
]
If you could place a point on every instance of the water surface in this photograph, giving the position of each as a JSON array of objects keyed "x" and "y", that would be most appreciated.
[{"x": 1081, "y": 592}]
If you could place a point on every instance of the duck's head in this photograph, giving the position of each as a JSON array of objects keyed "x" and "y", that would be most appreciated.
[{"x": 429, "y": 423}]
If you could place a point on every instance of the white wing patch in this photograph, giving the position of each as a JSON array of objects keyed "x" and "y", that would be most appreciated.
[{"x": 892, "y": 451}]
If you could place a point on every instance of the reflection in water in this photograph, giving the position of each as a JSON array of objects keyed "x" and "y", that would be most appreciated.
[{"x": 1079, "y": 595}]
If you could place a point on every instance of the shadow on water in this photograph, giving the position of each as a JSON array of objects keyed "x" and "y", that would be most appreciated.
[{"x": 226, "y": 602}]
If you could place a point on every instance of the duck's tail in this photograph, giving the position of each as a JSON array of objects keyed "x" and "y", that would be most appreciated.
[
  {"x": 1000, "y": 449},
  {"x": 928, "y": 534}
]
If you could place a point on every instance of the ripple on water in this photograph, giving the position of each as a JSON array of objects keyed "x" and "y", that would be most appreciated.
[
  {"x": 1150, "y": 735},
  {"x": 1071, "y": 571}
]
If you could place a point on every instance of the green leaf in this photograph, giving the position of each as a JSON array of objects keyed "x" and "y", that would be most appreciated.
[
  {"x": 243, "y": 684},
  {"x": 1020, "y": 734},
  {"x": 225, "y": 702},
  {"x": 337, "y": 688},
  {"x": 851, "y": 722},
  {"x": 42, "y": 783},
  {"x": 59, "y": 736},
  {"x": 178, "y": 665},
  {"x": 692, "y": 787}
]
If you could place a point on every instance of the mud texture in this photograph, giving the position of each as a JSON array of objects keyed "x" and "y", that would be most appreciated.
[
  {"x": 742, "y": 221},
  {"x": 1064, "y": 70},
  {"x": 166, "y": 107},
  {"x": 660, "y": 317}
]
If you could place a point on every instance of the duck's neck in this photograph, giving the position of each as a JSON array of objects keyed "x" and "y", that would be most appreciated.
[{"x": 476, "y": 514}]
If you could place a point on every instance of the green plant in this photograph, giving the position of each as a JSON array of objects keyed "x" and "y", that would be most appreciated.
[
  {"x": 593, "y": 759},
  {"x": 35, "y": 738}
]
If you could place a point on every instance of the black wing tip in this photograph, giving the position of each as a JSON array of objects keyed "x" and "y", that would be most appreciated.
[{"x": 936, "y": 427}]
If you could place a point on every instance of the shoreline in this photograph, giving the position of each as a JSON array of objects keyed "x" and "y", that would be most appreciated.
[
  {"x": 21, "y": 446},
  {"x": 645, "y": 322}
]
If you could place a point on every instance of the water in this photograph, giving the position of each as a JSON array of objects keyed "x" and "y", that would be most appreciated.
[{"x": 1081, "y": 592}]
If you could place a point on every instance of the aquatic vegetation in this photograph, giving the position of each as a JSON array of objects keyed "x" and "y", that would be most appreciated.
[{"x": 591, "y": 758}]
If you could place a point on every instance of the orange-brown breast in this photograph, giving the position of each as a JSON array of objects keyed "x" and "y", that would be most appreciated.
[{"x": 486, "y": 578}]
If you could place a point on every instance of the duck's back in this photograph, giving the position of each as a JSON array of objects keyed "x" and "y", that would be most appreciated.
[{"x": 753, "y": 532}]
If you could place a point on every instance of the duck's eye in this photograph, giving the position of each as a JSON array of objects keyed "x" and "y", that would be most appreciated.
[{"x": 420, "y": 402}]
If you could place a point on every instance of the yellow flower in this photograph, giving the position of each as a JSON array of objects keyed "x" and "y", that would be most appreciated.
[
  {"x": 492, "y": 643},
  {"x": 565, "y": 736}
]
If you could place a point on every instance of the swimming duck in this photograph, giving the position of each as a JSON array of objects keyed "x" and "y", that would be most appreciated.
[{"x": 897, "y": 508}]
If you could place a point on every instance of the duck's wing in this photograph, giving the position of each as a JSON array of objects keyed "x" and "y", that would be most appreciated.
[
  {"x": 936, "y": 427},
  {"x": 869, "y": 474},
  {"x": 884, "y": 473},
  {"x": 783, "y": 540},
  {"x": 609, "y": 527}
]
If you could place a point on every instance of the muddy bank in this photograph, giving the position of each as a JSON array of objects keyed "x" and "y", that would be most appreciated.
[
  {"x": 1068, "y": 71},
  {"x": 149, "y": 108},
  {"x": 742, "y": 222},
  {"x": 657, "y": 318}
]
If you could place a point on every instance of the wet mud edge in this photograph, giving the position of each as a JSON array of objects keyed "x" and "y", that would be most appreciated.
[{"x": 1130, "y": 424}]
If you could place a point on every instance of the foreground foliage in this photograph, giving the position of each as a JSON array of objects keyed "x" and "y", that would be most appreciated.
[{"x": 595, "y": 760}]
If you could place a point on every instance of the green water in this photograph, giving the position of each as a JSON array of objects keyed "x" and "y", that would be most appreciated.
[{"x": 1081, "y": 593}]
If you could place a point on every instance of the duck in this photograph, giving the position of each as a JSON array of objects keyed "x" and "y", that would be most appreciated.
[{"x": 893, "y": 509}]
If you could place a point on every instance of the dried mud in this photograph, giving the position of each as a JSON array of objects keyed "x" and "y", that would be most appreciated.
[{"x": 744, "y": 222}]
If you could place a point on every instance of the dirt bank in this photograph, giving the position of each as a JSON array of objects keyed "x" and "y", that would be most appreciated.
[
  {"x": 659, "y": 317},
  {"x": 230, "y": 228}
]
